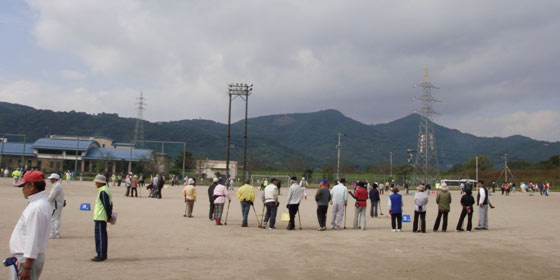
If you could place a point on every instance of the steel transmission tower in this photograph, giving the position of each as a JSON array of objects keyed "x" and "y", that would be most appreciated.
[
  {"x": 139, "y": 130},
  {"x": 426, "y": 166}
]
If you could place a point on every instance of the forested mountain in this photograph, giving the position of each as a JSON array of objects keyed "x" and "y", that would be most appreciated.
[{"x": 290, "y": 141}]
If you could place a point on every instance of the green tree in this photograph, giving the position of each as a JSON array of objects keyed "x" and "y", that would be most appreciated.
[
  {"x": 484, "y": 163},
  {"x": 189, "y": 162}
]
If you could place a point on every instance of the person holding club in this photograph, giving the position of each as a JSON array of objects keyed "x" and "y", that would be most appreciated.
[
  {"x": 246, "y": 196},
  {"x": 270, "y": 200},
  {"x": 295, "y": 194},
  {"x": 323, "y": 196},
  {"x": 220, "y": 194},
  {"x": 361, "y": 196}
]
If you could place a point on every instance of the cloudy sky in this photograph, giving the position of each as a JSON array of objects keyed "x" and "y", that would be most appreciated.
[{"x": 496, "y": 62}]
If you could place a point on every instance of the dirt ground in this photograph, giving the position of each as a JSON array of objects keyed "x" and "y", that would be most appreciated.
[{"x": 152, "y": 240}]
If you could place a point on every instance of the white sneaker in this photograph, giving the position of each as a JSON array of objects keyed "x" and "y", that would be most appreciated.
[
  {"x": 394, "y": 230},
  {"x": 398, "y": 230}
]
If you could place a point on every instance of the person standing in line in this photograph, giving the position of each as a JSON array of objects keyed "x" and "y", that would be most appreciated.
[
  {"x": 189, "y": 192},
  {"x": 395, "y": 209},
  {"x": 161, "y": 183},
  {"x": 483, "y": 201},
  {"x": 31, "y": 234},
  {"x": 56, "y": 199},
  {"x": 127, "y": 182},
  {"x": 322, "y": 196},
  {"x": 443, "y": 200},
  {"x": 339, "y": 195},
  {"x": 406, "y": 186},
  {"x": 134, "y": 186},
  {"x": 361, "y": 196},
  {"x": 270, "y": 200},
  {"x": 220, "y": 194},
  {"x": 246, "y": 196},
  {"x": 374, "y": 198},
  {"x": 102, "y": 213},
  {"x": 295, "y": 195},
  {"x": 420, "y": 202},
  {"x": 211, "y": 198},
  {"x": 467, "y": 202}
]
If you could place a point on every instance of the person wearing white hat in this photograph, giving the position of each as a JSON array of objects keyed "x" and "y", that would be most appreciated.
[
  {"x": 56, "y": 199},
  {"x": 189, "y": 192}
]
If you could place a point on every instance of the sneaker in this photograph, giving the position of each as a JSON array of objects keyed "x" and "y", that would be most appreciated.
[
  {"x": 393, "y": 230},
  {"x": 97, "y": 259},
  {"x": 270, "y": 228},
  {"x": 468, "y": 231},
  {"x": 398, "y": 230},
  {"x": 459, "y": 230}
]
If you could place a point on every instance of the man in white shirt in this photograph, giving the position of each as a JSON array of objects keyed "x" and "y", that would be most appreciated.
[
  {"x": 56, "y": 199},
  {"x": 339, "y": 194},
  {"x": 31, "y": 234},
  {"x": 270, "y": 200},
  {"x": 483, "y": 201},
  {"x": 295, "y": 194}
]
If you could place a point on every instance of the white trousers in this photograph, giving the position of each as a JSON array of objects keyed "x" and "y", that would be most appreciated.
[
  {"x": 337, "y": 215},
  {"x": 36, "y": 268},
  {"x": 56, "y": 220},
  {"x": 360, "y": 214}
]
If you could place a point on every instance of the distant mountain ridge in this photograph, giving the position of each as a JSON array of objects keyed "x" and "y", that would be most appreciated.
[{"x": 274, "y": 140}]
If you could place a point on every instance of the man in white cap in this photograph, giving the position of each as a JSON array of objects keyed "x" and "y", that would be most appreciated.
[
  {"x": 56, "y": 199},
  {"x": 189, "y": 192},
  {"x": 102, "y": 213},
  {"x": 31, "y": 234}
]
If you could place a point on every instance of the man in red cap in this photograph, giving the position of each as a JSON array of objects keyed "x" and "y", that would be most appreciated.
[{"x": 31, "y": 234}]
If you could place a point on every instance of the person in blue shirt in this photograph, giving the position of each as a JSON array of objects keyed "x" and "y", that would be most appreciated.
[{"x": 395, "y": 209}]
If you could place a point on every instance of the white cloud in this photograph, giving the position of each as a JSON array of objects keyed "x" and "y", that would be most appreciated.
[
  {"x": 71, "y": 75},
  {"x": 540, "y": 125},
  {"x": 361, "y": 57}
]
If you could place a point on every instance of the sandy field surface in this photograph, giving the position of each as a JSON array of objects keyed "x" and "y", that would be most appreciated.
[{"x": 152, "y": 240}]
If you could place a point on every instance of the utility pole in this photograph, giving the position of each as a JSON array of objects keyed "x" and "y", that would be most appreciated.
[
  {"x": 391, "y": 163},
  {"x": 505, "y": 166},
  {"x": 477, "y": 168},
  {"x": 338, "y": 146}
]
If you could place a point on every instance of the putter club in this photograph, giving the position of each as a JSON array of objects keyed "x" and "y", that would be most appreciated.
[
  {"x": 227, "y": 213},
  {"x": 345, "y": 205},
  {"x": 256, "y": 216},
  {"x": 299, "y": 218}
]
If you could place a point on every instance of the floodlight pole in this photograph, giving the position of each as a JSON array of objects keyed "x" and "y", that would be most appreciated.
[
  {"x": 242, "y": 90},
  {"x": 228, "y": 139}
]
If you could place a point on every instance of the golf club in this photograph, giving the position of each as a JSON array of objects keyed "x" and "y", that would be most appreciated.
[
  {"x": 227, "y": 212},
  {"x": 256, "y": 216}
]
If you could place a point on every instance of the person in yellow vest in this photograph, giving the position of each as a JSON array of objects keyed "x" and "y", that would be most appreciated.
[
  {"x": 102, "y": 213},
  {"x": 16, "y": 174},
  {"x": 189, "y": 192},
  {"x": 246, "y": 195}
]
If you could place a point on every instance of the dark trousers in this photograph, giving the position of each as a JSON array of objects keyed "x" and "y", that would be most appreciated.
[
  {"x": 373, "y": 208},
  {"x": 271, "y": 209},
  {"x": 101, "y": 239},
  {"x": 396, "y": 218},
  {"x": 439, "y": 216},
  {"x": 462, "y": 218},
  {"x": 127, "y": 191},
  {"x": 292, "y": 209},
  {"x": 322, "y": 215},
  {"x": 134, "y": 192},
  {"x": 422, "y": 216},
  {"x": 245, "y": 207},
  {"x": 211, "y": 213}
]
